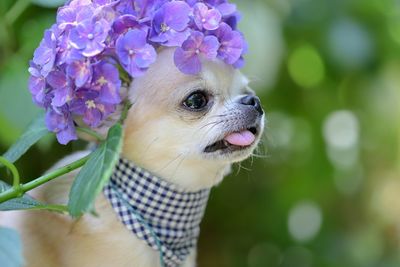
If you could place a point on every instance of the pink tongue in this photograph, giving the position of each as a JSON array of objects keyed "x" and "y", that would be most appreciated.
[{"x": 243, "y": 138}]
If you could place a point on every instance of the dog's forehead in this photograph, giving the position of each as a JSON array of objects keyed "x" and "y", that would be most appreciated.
[
  {"x": 223, "y": 77},
  {"x": 163, "y": 79}
]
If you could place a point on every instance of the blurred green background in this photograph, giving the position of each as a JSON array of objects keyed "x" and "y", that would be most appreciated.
[{"x": 324, "y": 187}]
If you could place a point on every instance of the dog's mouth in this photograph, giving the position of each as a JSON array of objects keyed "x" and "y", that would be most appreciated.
[{"x": 234, "y": 141}]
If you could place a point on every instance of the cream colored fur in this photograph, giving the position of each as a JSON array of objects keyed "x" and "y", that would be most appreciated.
[{"x": 158, "y": 137}]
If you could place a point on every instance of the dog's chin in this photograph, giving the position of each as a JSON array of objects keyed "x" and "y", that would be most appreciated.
[{"x": 223, "y": 150}]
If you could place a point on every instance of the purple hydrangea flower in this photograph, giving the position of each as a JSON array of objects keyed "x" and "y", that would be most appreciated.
[
  {"x": 146, "y": 8},
  {"x": 106, "y": 80},
  {"x": 89, "y": 36},
  {"x": 45, "y": 54},
  {"x": 88, "y": 105},
  {"x": 37, "y": 85},
  {"x": 211, "y": 3},
  {"x": 79, "y": 3},
  {"x": 231, "y": 44},
  {"x": 170, "y": 24},
  {"x": 227, "y": 9},
  {"x": 70, "y": 16},
  {"x": 67, "y": 53},
  {"x": 126, "y": 7},
  {"x": 134, "y": 53},
  {"x": 63, "y": 92},
  {"x": 241, "y": 62},
  {"x": 233, "y": 19},
  {"x": 62, "y": 125},
  {"x": 123, "y": 23},
  {"x": 187, "y": 57},
  {"x": 80, "y": 71},
  {"x": 66, "y": 17},
  {"x": 207, "y": 18}
]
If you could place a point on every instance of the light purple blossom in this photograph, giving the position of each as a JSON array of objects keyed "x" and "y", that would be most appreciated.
[
  {"x": 88, "y": 105},
  {"x": 66, "y": 17},
  {"x": 146, "y": 8},
  {"x": 45, "y": 54},
  {"x": 241, "y": 62},
  {"x": 231, "y": 44},
  {"x": 89, "y": 37},
  {"x": 207, "y": 18},
  {"x": 170, "y": 24},
  {"x": 227, "y": 9},
  {"x": 187, "y": 57},
  {"x": 62, "y": 125},
  {"x": 211, "y": 3},
  {"x": 233, "y": 19},
  {"x": 123, "y": 23},
  {"x": 134, "y": 53},
  {"x": 106, "y": 80},
  {"x": 80, "y": 3},
  {"x": 80, "y": 71},
  {"x": 63, "y": 92},
  {"x": 37, "y": 85}
]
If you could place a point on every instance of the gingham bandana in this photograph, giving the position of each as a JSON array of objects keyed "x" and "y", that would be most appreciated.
[{"x": 166, "y": 217}]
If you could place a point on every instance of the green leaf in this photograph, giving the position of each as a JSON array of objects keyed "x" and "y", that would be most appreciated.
[
  {"x": 95, "y": 173},
  {"x": 26, "y": 202},
  {"x": 36, "y": 130},
  {"x": 22, "y": 203},
  {"x": 10, "y": 248},
  {"x": 48, "y": 3}
]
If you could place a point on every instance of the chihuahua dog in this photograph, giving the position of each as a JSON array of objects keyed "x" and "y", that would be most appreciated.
[{"x": 185, "y": 129}]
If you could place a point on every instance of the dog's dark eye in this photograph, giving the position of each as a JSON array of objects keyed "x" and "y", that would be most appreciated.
[{"x": 196, "y": 101}]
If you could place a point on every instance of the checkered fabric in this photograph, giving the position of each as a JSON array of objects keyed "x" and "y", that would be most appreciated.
[{"x": 166, "y": 217}]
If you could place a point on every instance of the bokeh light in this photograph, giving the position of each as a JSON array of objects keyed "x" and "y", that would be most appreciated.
[
  {"x": 304, "y": 221},
  {"x": 350, "y": 44},
  {"x": 306, "y": 66}
]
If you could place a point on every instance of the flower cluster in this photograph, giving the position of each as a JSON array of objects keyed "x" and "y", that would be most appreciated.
[{"x": 75, "y": 72}]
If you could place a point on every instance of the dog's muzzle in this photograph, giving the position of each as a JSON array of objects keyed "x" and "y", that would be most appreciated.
[{"x": 241, "y": 128}]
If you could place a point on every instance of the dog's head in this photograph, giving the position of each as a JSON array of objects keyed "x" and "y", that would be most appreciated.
[{"x": 189, "y": 129}]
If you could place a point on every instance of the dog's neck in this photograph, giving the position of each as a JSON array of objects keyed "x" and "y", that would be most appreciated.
[
  {"x": 160, "y": 213},
  {"x": 187, "y": 174}
]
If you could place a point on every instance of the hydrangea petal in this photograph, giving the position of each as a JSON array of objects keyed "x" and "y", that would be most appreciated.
[
  {"x": 81, "y": 71},
  {"x": 62, "y": 96},
  {"x": 145, "y": 56},
  {"x": 209, "y": 47},
  {"x": 206, "y": 18},
  {"x": 57, "y": 79},
  {"x": 176, "y": 15},
  {"x": 62, "y": 125},
  {"x": 106, "y": 79},
  {"x": 187, "y": 62},
  {"x": 227, "y": 9}
]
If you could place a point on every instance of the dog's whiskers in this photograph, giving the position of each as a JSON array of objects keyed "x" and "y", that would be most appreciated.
[
  {"x": 212, "y": 127},
  {"x": 179, "y": 164},
  {"x": 170, "y": 162},
  {"x": 259, "y": 156},
  {"x": 210, "y": 123},
  {"x": 145, "y": 154}
]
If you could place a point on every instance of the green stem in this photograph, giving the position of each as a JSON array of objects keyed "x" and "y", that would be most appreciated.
[
  {"x": 16, "y": 10},
  {"x": 14, "y": 172},
  {"x": 56, "y": 208},
  {"x": 124, "y": 112},
  {"x": 90, "y": 132},
  {"x": 22, "y": 189}
]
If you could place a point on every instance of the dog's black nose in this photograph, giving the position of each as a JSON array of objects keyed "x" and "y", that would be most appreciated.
[{"x": 252, "y": 100}]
